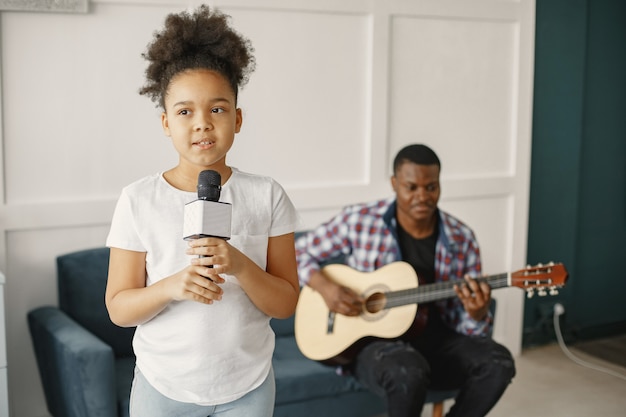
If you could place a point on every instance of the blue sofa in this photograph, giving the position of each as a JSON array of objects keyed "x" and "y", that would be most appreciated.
[{"x": 86, "y": 362}]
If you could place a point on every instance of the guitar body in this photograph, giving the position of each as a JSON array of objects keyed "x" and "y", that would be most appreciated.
[{"x": 328, "y": 337}]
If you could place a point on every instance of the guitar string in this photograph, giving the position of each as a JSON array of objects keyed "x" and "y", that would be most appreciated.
[
  {"x": 441, "y": 291},
  {"x": 432, "y": 292}
]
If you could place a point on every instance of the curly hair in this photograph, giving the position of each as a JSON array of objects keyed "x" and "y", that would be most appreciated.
[{"x": 202, "y": 40}]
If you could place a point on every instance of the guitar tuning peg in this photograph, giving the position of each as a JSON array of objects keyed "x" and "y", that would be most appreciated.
[
  {"x": 554, "y": 291},
  {"x": 539, "y": 264},
  {"x": 542, "y": 292},
  {"x": 530, "y": 293},
  {"x": 551, "y": 263}
]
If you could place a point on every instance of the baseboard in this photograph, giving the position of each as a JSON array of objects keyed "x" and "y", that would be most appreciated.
[
  {"x": 543, "y": 333},
  {"x": 601, "y": 331}
]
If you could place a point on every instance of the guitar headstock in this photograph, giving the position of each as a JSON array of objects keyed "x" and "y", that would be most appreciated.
[{"x": 542, "y": 279}]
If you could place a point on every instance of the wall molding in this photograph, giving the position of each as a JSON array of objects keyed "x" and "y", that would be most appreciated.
[{"x": 67, "y": 6}]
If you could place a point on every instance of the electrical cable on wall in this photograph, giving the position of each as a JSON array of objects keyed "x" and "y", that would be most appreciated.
[{"x": 558, "y": 311}]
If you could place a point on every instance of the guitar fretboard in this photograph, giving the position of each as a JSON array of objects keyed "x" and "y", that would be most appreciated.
[{"x": 438, "y": 291}]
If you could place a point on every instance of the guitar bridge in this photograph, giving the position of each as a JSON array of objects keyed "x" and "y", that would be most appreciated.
[{"x": 330, "y": 323}]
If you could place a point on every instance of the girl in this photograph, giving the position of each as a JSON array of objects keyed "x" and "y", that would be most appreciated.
[{"x": 203, "y": 341}]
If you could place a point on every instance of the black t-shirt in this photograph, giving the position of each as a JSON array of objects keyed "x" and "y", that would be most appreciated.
[{"x": 419, "y": 253}]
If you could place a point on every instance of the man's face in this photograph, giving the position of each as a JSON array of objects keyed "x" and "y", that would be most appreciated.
[{"x": 417, "y": 190}]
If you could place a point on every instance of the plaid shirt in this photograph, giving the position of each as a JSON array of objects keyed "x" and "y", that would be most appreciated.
[{"x": 365, "y": 236}]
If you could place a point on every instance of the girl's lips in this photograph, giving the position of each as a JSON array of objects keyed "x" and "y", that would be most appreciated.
[{"x": 204, "y": 144}]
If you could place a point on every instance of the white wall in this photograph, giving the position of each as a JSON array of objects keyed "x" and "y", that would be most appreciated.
[{"x": 340, "y": 87}]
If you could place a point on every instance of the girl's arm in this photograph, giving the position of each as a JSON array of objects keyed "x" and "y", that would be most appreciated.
[
  {"x": 273, "y": 291},
  {"x": 130, "y": 302}
]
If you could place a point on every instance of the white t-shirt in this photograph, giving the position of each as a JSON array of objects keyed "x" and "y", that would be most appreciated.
[{"x": 192, "y": 352}]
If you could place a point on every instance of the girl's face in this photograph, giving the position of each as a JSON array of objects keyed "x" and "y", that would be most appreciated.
[{"x": 202, "y": 118}]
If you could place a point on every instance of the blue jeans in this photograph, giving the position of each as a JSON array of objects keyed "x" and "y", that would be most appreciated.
[{"x": 145, "y": 401}]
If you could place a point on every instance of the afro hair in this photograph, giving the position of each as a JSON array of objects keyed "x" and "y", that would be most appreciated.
[{"x": 199, "y": 40}]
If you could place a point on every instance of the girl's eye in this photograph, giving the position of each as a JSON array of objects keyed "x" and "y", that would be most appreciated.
[{"x": 183, "y": 112}]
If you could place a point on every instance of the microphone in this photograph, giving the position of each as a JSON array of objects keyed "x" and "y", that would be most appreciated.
[
  {"x": 209, "y": 185},
  {"x": 206, "y": 216}
]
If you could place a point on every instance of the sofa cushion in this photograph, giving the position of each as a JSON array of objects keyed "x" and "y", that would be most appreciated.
[{"x": 301, "y": 379}]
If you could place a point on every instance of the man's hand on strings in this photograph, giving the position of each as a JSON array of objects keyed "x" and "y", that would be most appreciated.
[{"x": 475, "y": 296}]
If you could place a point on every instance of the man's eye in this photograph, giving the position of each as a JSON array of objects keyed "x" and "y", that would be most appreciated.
[{"x": 217, "y": 110}]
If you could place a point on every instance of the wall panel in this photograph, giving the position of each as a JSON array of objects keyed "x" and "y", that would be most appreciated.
[
  {"x": 452, "y": 85},
  {"x": 306, "y": 105},
  {"x": 73, "y": 117}
]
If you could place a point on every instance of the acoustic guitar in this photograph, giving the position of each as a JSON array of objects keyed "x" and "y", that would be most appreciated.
[{"x": 391, "y": 296}]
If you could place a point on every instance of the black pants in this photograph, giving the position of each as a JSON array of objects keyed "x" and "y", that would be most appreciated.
[{"x": 440, "y": 359}]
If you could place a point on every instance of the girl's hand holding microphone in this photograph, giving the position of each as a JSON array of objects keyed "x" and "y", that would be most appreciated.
[
  {"x": 218, "y": 255},
  {"x": 200, "y": 280}
]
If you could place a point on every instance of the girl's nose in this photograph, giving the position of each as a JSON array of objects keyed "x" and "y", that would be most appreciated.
[{"x": 203, "y": 122}]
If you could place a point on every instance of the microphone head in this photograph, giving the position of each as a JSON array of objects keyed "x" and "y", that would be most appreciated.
[{"x": 209, "y": 185}]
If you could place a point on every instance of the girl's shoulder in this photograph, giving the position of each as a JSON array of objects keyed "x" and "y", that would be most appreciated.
[
  {"x": 150, "y": 185},
  {"x": 148, "y": 180},
  {"x": 241, "y": 179}
]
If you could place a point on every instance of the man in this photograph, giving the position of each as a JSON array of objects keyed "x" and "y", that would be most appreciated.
[{"x": 453, "y": 349}]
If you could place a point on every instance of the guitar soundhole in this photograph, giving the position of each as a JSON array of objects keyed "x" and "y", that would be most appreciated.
[{"x": 375, "y": 303}]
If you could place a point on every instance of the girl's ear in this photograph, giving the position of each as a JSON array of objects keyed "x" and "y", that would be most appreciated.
[
  {"x": 165, "y": 124},
  {"x": 238, "y": 120}
]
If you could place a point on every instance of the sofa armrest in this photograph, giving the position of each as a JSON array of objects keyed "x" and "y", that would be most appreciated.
[{"x": 77, "y": 369}]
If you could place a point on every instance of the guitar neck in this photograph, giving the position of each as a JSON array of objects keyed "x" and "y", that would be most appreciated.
[{"x": 439, "y": 290}]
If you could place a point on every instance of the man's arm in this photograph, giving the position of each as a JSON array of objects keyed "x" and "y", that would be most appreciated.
[
  {"x": 474, "y": 298},
  {"x": 338, "y": 298},
  {"x": 318, "y": 247}
]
